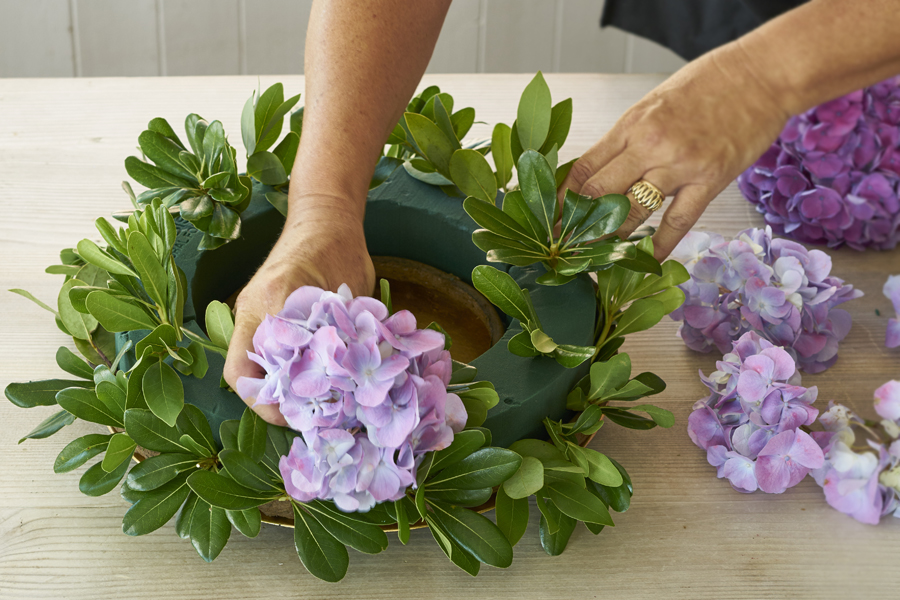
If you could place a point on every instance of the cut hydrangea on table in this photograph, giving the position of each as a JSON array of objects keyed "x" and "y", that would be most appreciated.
[
  {"x": 366, "y": 390},
  {"x": 892, "y": 291},
  {"x": 833, "y": 176},
  {"x": 750, "y": 423},
  {"x": 772, "y": 286}
]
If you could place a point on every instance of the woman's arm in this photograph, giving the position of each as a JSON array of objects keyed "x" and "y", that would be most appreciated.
[
  {"x": 364, "y": 59},
  {"x": 697, "y": 131}
]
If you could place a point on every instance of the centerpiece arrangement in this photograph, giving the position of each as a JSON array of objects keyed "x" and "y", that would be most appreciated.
[{"x": 387, "y": 431}]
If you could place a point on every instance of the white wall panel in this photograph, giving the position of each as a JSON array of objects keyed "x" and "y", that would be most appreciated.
[
  {"x": 117, "y": 38},
  {"x": 583, "y": 46},
  {"x": 457, "y": 48},
  {"x": 201, "y": 37},
  {"x": 520, "y": 36},
  {"x": 275, "y": 35},
  {"x": 36, "y": 39},
  {"x": 645, "y": 56}
]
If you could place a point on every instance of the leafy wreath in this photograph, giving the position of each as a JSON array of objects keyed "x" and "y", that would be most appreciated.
[{"x": 132, "y": 283}]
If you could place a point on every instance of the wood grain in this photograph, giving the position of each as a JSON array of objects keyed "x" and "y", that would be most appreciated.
[{"x": 687, "y": 535}]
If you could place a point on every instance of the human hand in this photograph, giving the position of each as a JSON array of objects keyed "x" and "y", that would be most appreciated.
[
  {"x": 690, "y": 137},
  {"x": 322, "y": 247}
]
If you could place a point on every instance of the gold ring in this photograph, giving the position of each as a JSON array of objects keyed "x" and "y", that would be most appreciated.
[{"x": 647, "y": 195}]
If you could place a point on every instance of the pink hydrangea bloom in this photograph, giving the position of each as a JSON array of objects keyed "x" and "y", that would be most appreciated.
[
  {"x": 772, "y": 286},
  {"x": 749, "y": 424},
  {"x": 367, "y": 391}
]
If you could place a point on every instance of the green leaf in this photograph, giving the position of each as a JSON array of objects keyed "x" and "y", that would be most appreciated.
[
  {"x": 148, "y": 266},
  {"x": 96, "y": 481},
  {"x": 29, "y": 296},
  {"x": 352, "y": 532},
  {"x": 163, "y": 392},
  {"x": 617, "y": 498},
  {"x": 621, "y": 416},
  {"x": 193, "y": 422},
  {"x": 495, "y": 220},
  {"x": 442, "y": 120},
  {"x": 219, "y": 324},
  {"x": 162, "y": 127},
  {"x": 610, "y": 375},
  {"x": 223, "y": 492},
  {"x": 560, "y": 121},
  {"x": 571, "y": 356},
  {"x": 121, "y": 449},
  {"x": 458, "y": 555},
  {"x": 471, "y": 172},
  {"x": 520, "y": 345},
  {"x": 213, "y": 144},
  {"x": 245, "y": 471},
  {"x": 248, "y": 521},
  {"x": 286, "y": 151},
  {"x": 225, "y": 223},
  {"x": 266, "y": 168},
  {"x": 319, "y": 551},
  {"x": 600, "y": 468},
  {"x": 196, "y": 448},
  {"x": 630, "y": 391},
  {"x": 487, "y": 467},
  {"x": 500, "y": 149},
  {"x": 543, "y": 451},
  {"x": 209, "y": 530},
  {"x": 158, "y": 470},
  {"x": 468, "y": 498},
  {"x": 84, "y": 404},
  {"x": 252, "y": 435},
  {"x": 50, "y": 425},
  {"x": 512, "y": 516},
  {"x": 527, "y": 480},
  {"x": 228, "y": 433},
  {"x": 402, "y": 522},
  {"x": 670, "y": 299},
  {"x": 502, "y": 291},
  {"x": 542, "y": 342},
  {"x": 248, "y": 125},
  {"x": 534, "y": 114},
  {"x": 641, "y": 315},
  {"x": 186, "y": 516},
  {"x": 40, "y": 393},
  {"x": 607, "y": 214},
  {"x": 474, "y": 533},
  {"x": 153, "y": 177},
  {"x": 538, "y": 187},
  {"x": 462, "y": 120},
  {"x": 156, "y": 508},
  {"x": 79, "y": 451},
  {"x": 266, "y": 108},
  {"x": 515, "y": 206},
  {"x": 117, "y": 315},
  {"x": 164, "y": 152},
  {"x": 464, "y": 443},
  {"x": 112, "y": 396},
  {"x": 641, "y": 263},
  {"x": 578, "y": 503},
  {"x": 150, "y": 432},
  {"x": 431, "y": 141},
  {"x": 77, "y": 324},
  {"x": 660, "y": 416},
  {"x": 555, "y": 539},
  {"x": 275, "y": 123}
]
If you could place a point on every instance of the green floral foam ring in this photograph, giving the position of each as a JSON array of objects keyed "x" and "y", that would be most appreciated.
[{"x": 408, "y": 219}]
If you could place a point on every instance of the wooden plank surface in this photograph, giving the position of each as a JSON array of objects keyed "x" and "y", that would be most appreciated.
[{"x": 687, "y": 534}]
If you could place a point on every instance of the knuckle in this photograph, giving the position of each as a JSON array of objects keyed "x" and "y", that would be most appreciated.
[
  {"x": 581, "y": 172},
  {"x": 677, "y": 221}
]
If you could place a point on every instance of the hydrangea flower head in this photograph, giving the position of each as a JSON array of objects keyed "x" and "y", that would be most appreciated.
[
  {"x": 833, "y": 176},
  {"x": 892, "y": 291},
  {"x": 773, "y": 286},
  {"x": 366, "y": 390},
  {"x": 749, "y": 424}
]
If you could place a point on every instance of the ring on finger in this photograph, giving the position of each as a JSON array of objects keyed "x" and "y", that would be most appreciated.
[{"x": 647, "y": 195}]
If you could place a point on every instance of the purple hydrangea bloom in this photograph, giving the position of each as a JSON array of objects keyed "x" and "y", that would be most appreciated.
[
  {"x": 749, "y": 424},
  {"x": 892, "y": 291},
  {"x": 367, "y": 392},
  {"x": 773, "y": 286},
  {"x": 833, "y": 176}
]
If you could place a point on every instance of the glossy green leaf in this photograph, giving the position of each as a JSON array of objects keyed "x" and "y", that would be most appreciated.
[
  {"x": 402, "y": 522},
  {"x": 474, "y": 533},
  {"x": 319, "y": 551},
  {"x": 30, "y": 296},
  {"x": 641, "y": 315},
  {"x": 150, "y": 432},
  {"x": 606, "y": 215},
  {"x": 77, "y": 324},
  {"x": 560, "y": 121},
  {"x": 225, "y": 223},
  {"x": 578, "y": 503},
  {"x": 156, "y": 508},
  {"x": 248, "y": 125},
  {"x": 487, "y": 467},
  {"x": 521, "y": 345},
  {"x": 117, "y": 315},
  {"x": 164, "y": 152},
  {"x": 464, "y": 443},
  {"x": 538, "y": 187},
  {"x": 113, "y": 397},
  {"x": 642, "y": 263},
  {"x": 471, "y": 172},
  {"x": 534, "y": 114},
  {"x": 266, "y": 168},
  {"x": 213, "y": 144},
  {"x": 502, "y": 291},
  {"x": 500, "y": 150},
  {"x": 191, "y": 421},
  {"x": 84, "y": 404},
  {"x": 359, "y": 535},
  {"x": 153, "y": 177},
  {"x": 40, "y": 393},
  {"x": 163, "y": 392},
  {"x": 223, "y": 492},
  {"x": 467, "y": 498},
  {"x": 96, "y": 481},
  {"x": 49, "y": 426},
  {"x": 617, "y": 498},
  {"x": 79, "y": 451},
  {"x": 121, "y": 449},
  {"x": 219, "y": 324},
  {"x": 431, "y": 141},
  {"x": 624, "y": 418},
  {"x": 512, "y": 516},
  {"x": 158, "y": 470},
  {"x": 571, "y": 356},
  {"x": 197, "y": 207},
  {"x": 608, "y": 376},
  {"x": 462, "y": 120},
  {"x": 245, "y": 471},
  {"x": 210, "y": 529},
  {"x": 660, "y": 416},
  {"x": 248, "y": 522},
  {"x": 527, "y": 480},
  {"x": 286, "y": 151},
  {"x": 252, "y": 435},
  {"x": 555, "y": 539},
  {"x": 542, "y": 342},
  {"x": 458, "y": 555},
  {"x": 600, "y": 467}
]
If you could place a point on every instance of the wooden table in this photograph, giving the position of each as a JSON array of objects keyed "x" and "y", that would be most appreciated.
[{"x": 687, "y": 534}]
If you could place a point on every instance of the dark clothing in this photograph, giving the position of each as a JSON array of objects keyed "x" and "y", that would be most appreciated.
[{"x": 691, "y": 27}]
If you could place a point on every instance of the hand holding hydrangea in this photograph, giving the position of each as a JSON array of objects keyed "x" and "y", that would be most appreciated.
[{"x": 366, "y": 390}]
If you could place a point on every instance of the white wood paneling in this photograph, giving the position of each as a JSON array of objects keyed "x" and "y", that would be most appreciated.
[
  {"x": 275, "y": 35},
  {"x": 117, "y": 38},
  {"x": 519, "y": 36},
  {"x": 457, "y": 48},
  {"x": 583, "y": 46},
  {"x": 36, "y": 39},
  {"x": 42, "y": 38},
  {"x": 202, "y": 37},
  {"x": 644, "y": 56}
]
